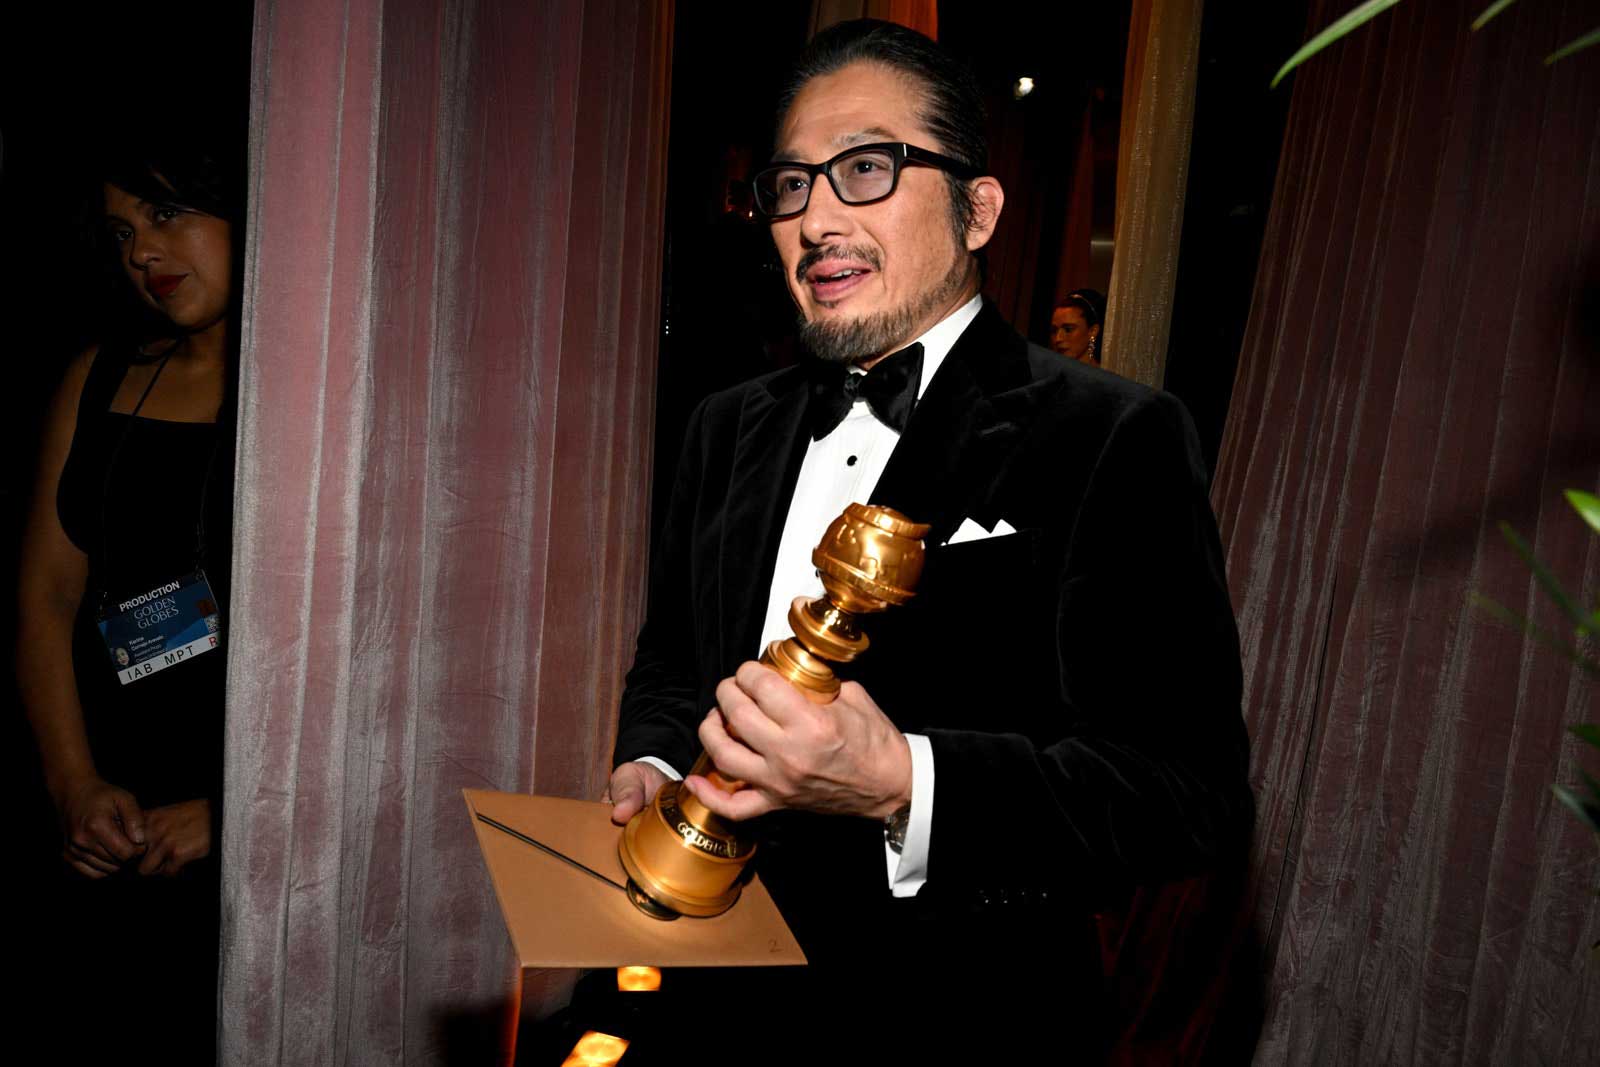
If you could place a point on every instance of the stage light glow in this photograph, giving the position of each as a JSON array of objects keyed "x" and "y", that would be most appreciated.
[
  {"x": 638, "y": 979},
  {"x": 595, "y": 1049},
  {"x": 1022, "y": 87}
]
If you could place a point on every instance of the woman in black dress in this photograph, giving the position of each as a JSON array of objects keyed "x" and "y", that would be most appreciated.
[{"x": 123, "y": 591}]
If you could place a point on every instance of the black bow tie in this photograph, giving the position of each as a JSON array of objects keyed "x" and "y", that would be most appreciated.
[{"x": 889, "y": 388}]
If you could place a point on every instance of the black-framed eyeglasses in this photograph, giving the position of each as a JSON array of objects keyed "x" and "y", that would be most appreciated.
[{"x": 864, "y": 174}]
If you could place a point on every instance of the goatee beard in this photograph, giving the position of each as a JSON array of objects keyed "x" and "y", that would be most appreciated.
[{"x": 876, "y": 334}]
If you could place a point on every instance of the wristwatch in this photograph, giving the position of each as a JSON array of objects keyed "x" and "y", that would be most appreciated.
[{"x": 894, "y": 829}]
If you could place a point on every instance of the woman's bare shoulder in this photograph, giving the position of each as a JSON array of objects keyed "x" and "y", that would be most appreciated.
[{"x": 73, "y": 378}]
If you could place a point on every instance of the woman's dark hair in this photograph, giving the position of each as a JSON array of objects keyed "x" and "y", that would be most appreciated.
[
  {"x": 952, "y": 104},
  {"x": 183, "y": 173},
  {"x": 171, "y": 169},
  {"x": 1091, "y": 302}
]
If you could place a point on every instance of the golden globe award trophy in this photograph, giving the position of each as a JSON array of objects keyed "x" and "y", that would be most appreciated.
[{"x": 683, "y": 860}]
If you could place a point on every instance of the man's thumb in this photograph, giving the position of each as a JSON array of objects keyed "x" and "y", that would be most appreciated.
[{"x": 627, "y": 797}]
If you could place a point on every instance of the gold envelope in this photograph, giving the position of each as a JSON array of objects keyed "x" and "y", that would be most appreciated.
[{"x": 560, "y": 917}]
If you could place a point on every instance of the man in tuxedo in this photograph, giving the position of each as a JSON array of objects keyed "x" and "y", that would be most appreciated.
[{"x": 1054, "y": 719}]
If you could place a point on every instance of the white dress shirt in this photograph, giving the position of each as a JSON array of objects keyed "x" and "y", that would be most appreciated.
[{"x": 838, "y": 470}]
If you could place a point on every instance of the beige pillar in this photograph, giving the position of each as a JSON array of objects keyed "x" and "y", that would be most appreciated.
[{"x": 1152, "y": 169}]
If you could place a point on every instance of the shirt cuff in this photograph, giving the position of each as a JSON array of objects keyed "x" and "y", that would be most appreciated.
[
  {"x": 908, "y": 870},
  {"x": 662, "y": 766}
]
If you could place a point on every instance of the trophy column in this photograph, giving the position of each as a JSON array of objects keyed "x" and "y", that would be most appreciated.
[{"x": 682, "y": 859}]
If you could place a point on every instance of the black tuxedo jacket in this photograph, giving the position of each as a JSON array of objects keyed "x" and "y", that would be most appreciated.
[{"x": 1079, "y": 679}]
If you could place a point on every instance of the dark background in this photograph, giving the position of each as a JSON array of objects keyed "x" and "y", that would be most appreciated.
[
  {"x": 1238, "y": 135},
  {"x": 69, "y": 81}
]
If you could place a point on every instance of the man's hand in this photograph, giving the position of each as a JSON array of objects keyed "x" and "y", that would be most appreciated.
[
  {"x": 179, "y": 834},
  {"x": 843, "y": 758},
  {"x": 103, "y": 825},
  {"x": 632, "y": 787}
]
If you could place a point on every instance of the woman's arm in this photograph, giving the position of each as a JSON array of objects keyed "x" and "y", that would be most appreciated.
[{"x": 103, "y": 824}]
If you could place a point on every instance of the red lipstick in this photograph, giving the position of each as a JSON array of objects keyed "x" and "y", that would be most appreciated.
[{"x": 161, "y": 286}]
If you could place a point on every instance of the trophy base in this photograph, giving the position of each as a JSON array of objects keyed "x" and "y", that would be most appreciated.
[
  {"x": 638, "y": 898},
  {"x": 680, "y": 863}
]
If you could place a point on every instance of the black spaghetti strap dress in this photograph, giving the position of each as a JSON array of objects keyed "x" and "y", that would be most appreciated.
[{"x": 132, "y": 496}]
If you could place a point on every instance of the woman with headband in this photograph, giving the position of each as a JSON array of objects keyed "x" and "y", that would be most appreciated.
[{"x": 1075, "y": 325}]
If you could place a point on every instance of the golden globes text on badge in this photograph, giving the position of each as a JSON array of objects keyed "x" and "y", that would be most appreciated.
[
  {"x": 145, "y": 598},
  {"x": 162, "y": 627},
  {"x": 147, "y": 615}
]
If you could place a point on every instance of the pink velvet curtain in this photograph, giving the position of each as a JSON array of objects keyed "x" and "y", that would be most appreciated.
[
  {"x": 1422, "y": 359},
  {"x": 447, "y": 393}
]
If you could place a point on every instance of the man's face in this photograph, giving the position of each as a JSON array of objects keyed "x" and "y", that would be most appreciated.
[{"x": 872, "y": 278}]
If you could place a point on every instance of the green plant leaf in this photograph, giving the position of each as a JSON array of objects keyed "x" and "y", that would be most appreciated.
[
  {"x": 1353, "y": 18},
  {"x": 1587, "y": 505},
  {"x": 1578, "y": 45},
  {"x": 1590, "y": 814},
  {"x": 1589, "y": 731},
  {"x": 1546, "y": 579},
  {"x": 1544, "y": 637},
  {"x": 1490, "y": 12}
]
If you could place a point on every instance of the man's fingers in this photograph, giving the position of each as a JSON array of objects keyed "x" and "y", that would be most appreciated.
[
  {"x": 632, "y": 786},
  {"x": 746, "y": 721},
  {"x": 733, "y": 699},
  {"x": 852, "y": 694},
  {"x": 732, "y": 758},
  {"x": 778, "y": 699},
  {"x": 745, "y": 804},
  {"x": 625, "y": 803}
]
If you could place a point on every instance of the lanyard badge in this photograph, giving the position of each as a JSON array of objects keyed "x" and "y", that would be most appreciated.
[
  {"x": 161, "y": 627},
  {"x": 175, "y": 621}
]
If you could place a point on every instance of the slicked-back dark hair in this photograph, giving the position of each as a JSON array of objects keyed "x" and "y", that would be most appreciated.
[{"x": 952, "y": 104}]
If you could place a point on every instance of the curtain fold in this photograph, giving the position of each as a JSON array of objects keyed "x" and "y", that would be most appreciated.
[
  {"x": 1152, "y": 174},
  {"x": 919, "y": 15},
  {"x": 447, "y": 383},
  {"x": 1040, "y": 250},
  {"x": 1073, "y": 269},
  {"x": 1422, "y": 360}
]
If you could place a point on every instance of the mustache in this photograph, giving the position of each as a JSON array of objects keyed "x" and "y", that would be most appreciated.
[{"x": 817, "y": 255}]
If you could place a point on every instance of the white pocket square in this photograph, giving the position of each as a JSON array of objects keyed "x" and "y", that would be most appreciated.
[{"x": 971, "y": 531}]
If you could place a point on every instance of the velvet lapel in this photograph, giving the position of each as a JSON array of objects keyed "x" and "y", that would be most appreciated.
[
  {"x": 945, "y": 467},
  {"x": 770, "y": 445}
]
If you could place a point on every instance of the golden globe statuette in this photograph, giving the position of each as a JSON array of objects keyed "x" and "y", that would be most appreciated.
[{"x": 683, "y": 860}]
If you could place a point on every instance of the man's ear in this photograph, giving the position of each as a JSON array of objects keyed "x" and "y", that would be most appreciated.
[{"x": 987, "y": 199}]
